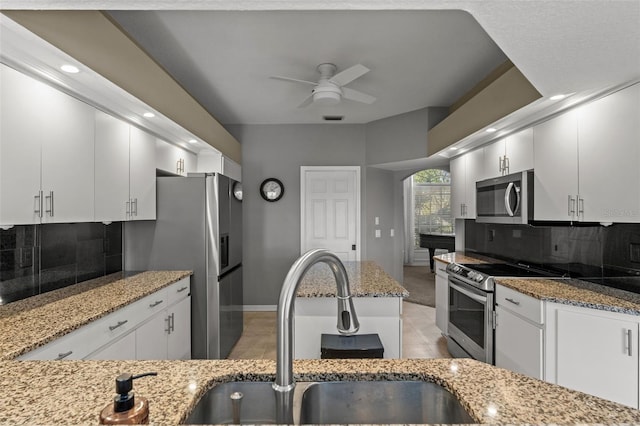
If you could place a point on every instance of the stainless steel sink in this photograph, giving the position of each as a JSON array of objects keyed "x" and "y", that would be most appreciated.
[
  {"x": 375, "y": 402},
  {"x": 258, "y": 404},
  {"x": 370, "y": 402}
]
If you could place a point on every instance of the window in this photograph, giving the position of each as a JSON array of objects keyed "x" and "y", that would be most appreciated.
[{"x": 431, "y": 203}]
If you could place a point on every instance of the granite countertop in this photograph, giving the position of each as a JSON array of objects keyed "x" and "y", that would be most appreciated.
[
  {"x": 33, "y": 322},
  {"x": 565, "y": 291},
  {"x": 366, "y": 279},
  {"x": 74, "y": 392}
]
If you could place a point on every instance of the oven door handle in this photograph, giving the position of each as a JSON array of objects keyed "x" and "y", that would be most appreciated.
[{"x": 474, "y": 296}]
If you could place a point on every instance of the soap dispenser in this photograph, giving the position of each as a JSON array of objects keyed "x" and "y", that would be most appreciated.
[{"x": 126, "y": 409}]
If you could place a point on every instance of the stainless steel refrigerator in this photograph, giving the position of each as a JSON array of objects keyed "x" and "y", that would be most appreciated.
[{"x": 198, "y": 227}]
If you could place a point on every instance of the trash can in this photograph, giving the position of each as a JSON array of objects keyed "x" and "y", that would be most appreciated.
[{"x": 334, "y": 346}]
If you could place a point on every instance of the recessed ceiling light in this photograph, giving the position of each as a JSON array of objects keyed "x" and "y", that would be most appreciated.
[
  {"x": 193, "y": 141},
  {"x": 71, "y": 69},
  {"x": 558, "y": 97},
  {"x": 491, "y": 130},
  {"x": 453, "y": 148},
  {"x": 149, "y": 114}
]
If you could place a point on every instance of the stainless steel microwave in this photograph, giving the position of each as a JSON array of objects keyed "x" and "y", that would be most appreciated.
[{"x": 505, "y": 199}]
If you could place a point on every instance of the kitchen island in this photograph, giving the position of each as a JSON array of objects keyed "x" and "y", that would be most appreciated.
[
  {"x": 74, "y": 392},
  {"x": 377, "y": 299}
]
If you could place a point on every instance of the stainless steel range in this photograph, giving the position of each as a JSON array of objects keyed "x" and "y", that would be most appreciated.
[{"x": 471, "y": 306}]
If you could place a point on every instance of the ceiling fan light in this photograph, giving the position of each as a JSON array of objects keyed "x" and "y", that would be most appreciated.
[{"x": 326, "y": 98}]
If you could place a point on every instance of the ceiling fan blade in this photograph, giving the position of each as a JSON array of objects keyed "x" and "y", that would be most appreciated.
[
  {"x": 277, "y": 77},
  {"x": 307, "y": 101},
  {"x": 348, "y": 75},
  {"x": 357, "y": 96}
]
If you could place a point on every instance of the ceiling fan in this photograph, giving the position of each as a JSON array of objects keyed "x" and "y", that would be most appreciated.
[{"x": 329, "y": 89}]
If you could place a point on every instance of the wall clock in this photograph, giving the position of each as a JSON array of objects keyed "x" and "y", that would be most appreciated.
[
  {"x": 271, "y": 189},
  {"x": 237, "y": 190}
]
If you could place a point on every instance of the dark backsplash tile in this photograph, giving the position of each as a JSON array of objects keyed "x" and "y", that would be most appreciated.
[
  {"x": 58, "y": 244},
  {"x": 581, "y": 251},
  {"x": 39, "y": 258}
]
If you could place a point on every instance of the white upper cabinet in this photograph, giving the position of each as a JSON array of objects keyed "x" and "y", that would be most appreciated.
[
  {"x": 47, "y": 139},
  {"x": 465, "y": 171},
  {"x": 174, "y": 160},
  {"x": 142, "y": 174},
  {"x": 519, "y": 151},
  {"x": 556, "y": 168},
  {"x": 20, "y": 143},
  {"x": 608, "y": 158},
  {"x": 586, "y": 162},
  {"x": 494, "y": 159},
  {"x": 511, "y": 154},
  {"x": 67, "y": 158},
  {"x": 125, "y": 178},
  {"x": 112, "y": 168}
]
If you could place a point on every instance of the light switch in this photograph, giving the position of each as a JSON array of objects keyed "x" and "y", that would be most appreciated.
[
  {"x": 377, "y": 233},
  {"x": 391, "y": 233},
  {"x": 377, "y": 220}
]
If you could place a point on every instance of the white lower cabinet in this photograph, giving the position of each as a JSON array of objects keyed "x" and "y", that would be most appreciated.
[
  {"x": 123, "y": 348},
  {"x": 167, "y": 335},
  {"x": 594, "y": 351},
  {"x": 136, "y": 331},
  {"x": 518, "y": 344},
  {"x": 442, "y": 296},
  {"x": 317, "y": 315},
  {"x": 519, "y": 335}
]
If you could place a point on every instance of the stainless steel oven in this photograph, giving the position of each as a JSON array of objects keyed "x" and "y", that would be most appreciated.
[
  {"x": 471, "y": 321},
  {"x": 471, "y": 318}
]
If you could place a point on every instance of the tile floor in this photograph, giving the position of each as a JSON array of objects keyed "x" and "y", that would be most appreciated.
[{"x": 420, "y": 336}]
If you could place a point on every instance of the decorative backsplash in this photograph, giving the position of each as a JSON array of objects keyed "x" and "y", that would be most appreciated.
[
  {"x": 35, "y": 259},
  {"x": 596, "y": 252}
]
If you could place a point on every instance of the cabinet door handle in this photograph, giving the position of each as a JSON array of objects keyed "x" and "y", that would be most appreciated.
[
  {"x": 173, "y": 322},
  {"x": 168, "y": 321},
  {"x": 63, "y": 355},
  {"x": 181, "y": 289},
  {"x": 50, "y": 198},
  {"x": 515, "y": 302},
  {"x": 156, "y": 303},
  {"x": 571, "y": 205},
  {"x": 506, "y": 165},
  {"x": 134, "y": 207},
  {"x": 500, "y": 164},
  {"x": 580, "y": 206},
  {"x": 128, "y": 204},
  {"x": 38, "y": 202},
  {"x": 629, "y": 342},
  {"x": 119, "y": 324}
]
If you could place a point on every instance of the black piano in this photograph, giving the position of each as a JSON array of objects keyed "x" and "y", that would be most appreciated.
[{"x": 437, "y": 241}]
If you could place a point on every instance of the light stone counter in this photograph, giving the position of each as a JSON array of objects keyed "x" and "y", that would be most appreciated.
[
  {"x": 74, "y": 392},
  {"x": 33, "y": 322},
  {"x": 565, "y": 291},
  {"x": 366, "y": 279}
]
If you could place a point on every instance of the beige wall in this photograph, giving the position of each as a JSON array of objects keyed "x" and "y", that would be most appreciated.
[{"x": 91, "y": 38}]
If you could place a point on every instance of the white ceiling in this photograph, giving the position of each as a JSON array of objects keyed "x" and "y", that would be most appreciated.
[{"x": 224, "y": 59}]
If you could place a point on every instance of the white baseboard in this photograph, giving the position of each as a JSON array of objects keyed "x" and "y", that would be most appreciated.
[{"x": 260, "y": 308}]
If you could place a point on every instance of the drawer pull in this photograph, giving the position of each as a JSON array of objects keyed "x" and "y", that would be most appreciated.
[
  {"x": 181, "y": 289},
  {"x": 629, "y": 342},
  {"x": 120, "y": 323},
  {"x": 63, "y": 355},
  {"x": 512, "y": 301},
  {"x": 156, "y": 303}
]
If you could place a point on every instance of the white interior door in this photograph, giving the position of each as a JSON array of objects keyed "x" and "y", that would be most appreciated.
[{"x": 330, "y": 210}]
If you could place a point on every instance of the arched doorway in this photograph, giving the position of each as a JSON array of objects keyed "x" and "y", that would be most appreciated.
[{"x": 427, "y": 211}]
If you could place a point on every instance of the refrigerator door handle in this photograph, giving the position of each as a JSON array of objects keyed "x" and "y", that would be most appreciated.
[{"x": 224, "y": 251}]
